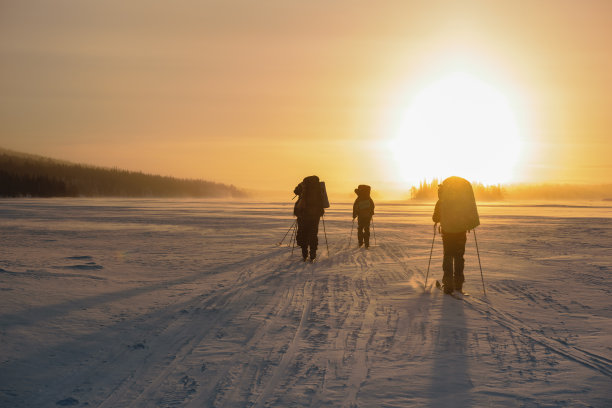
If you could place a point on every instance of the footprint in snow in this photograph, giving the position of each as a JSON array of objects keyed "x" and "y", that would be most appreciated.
[
  {"x": 137, "y": 346},
  {"x": 79, "y": 258},
  {"x": 89, "y": 266},
  {"x": 67, "y": 402}
]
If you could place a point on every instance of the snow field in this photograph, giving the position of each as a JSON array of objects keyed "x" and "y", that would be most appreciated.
[{"x": 166, "y": 303}]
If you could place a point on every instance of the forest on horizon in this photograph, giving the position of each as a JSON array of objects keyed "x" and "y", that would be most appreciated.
[
  {"x": 428, "y": 191},
  {"x": 23, "y": 175}
]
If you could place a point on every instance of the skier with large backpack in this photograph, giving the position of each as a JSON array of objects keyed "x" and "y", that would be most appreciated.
[
  {"x": 309, "y": 209},
  {"x": 457, "y": 213},
  {"x": 363, "y": 210}
]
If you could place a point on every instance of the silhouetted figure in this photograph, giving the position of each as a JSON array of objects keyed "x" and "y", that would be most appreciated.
[
  {"x": 308, "y": 210},
  {"x": 363, "y": 209},
  {"x": 457, "y": 213}
]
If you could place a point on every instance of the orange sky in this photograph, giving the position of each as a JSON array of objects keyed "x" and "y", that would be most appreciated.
[{"x": 261, "y": 94}]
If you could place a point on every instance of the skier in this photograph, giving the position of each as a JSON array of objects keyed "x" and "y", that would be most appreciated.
[
  {"x": 308, "y": 210},
  {"x": 456, "y": 212},
  {"x": 363, "y": 208}
]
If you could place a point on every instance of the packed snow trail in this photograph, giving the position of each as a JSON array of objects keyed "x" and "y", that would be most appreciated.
[{"x": 125, "y": 303}]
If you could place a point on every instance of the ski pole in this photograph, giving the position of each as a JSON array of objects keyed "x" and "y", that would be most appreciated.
[
  {"x": 293, "y": 234},
  {"x": 430, "y": 253},
  {"x": 293, "y": 238},
  {"x": 479, "y": 264},
  {"x": 290, "y": 228},
  {"x": 325, "y": 232},
  {"x": 374, "y": 230},
  {"x": 351, "y": 236}
]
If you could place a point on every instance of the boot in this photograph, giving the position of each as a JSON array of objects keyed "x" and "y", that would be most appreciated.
[
  {"x": 458, "y": 280},
  {"x": 459, "y": 287},
  {"x": 447, "y": 284},
  {"x": 313, "y": 255}
]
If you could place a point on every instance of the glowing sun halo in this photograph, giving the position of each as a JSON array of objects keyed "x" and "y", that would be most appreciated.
[{"x": 459, "y": 126}]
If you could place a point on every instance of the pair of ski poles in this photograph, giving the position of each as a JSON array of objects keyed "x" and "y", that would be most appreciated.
[
  {"x": 293, "y": 229},
  {"x": 293, "y": 239},
  {"x": 353, "y": 225},
  {"x": 477, "y": 251}
]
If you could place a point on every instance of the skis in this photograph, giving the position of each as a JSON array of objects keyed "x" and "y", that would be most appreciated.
[{"x": 456, "y": 294}]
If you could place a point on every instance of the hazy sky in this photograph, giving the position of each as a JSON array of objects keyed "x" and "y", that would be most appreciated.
[{"x": 263, "y": 93}]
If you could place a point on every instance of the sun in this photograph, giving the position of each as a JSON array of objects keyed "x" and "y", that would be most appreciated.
[{"x": 458, "y": 125}]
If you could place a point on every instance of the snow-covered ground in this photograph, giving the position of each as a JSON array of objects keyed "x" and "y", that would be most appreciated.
[{"x": 161, "y": 303}]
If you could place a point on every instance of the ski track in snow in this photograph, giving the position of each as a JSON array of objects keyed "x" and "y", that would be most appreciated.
[
  {"x": 193, "y": 305},
  {"x": 559, "y": 346}
]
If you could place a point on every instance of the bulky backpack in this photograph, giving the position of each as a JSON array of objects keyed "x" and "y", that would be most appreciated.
[
  {"x": 458, "y": 210},
  {"x": 363, "y": 190},
  {"x": 313, "y": 197}
]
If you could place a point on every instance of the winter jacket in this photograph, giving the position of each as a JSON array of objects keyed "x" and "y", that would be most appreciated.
[{"x": 363, "y": 207}]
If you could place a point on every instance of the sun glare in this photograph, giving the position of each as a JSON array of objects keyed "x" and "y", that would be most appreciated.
[{"x": 459, "y": 125}]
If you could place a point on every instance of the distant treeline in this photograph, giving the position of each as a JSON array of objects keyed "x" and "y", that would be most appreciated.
[
  {"x": 429, "y": 191},
  {"x": 32, "y": 176},
  {"x": 559, "y": 192}
]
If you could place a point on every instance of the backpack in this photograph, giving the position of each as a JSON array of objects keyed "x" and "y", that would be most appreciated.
[
  {"x": 363, "y": 202},
  {"x": 311, "y": 201},
  {"x": 324, "y": 195},
  {"x": 363, "y": 191},
  {"x": 458, "y": 210}
]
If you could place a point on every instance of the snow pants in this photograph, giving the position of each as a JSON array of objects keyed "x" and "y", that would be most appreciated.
[
  {"x": 452, "y": 264},
  {"x": 363, "y": 230},
  {"x": 307, "y": 235}
]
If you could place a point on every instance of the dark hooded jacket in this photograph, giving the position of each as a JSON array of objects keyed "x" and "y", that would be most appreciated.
[{"x": 363, "y": 205}]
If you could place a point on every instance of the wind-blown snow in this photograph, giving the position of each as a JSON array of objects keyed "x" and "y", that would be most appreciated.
[{"x": 140, "y": 303}]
